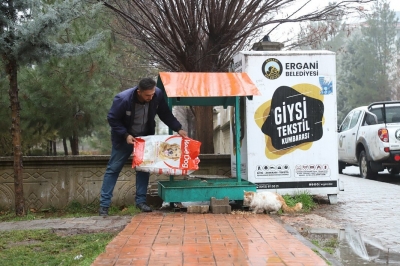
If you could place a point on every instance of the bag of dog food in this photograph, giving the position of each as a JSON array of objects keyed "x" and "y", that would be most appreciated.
[{"x": 166, "y": 154}]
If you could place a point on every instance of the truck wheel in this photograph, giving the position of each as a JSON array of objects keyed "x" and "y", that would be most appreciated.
[
  {"x": 365, "y": 168},
  {"x": 393, "y": 171},
  {"x": 342, "y": 165}
]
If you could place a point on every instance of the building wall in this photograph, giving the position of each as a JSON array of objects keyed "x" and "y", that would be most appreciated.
[
  {"x": 222, "y": 127},
  {"x": 58, "y": 181}
]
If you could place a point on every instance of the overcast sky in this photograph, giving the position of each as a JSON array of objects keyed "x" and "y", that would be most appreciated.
[
  {"x": 395, "y": 5},
  {"x": 283, "y": 31}
]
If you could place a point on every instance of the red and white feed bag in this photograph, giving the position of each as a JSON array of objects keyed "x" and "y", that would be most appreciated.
[{"x": 166, "y": 154}]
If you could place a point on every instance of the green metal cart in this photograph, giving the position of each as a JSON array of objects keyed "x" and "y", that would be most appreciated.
[{"x": 207, "y": 89}]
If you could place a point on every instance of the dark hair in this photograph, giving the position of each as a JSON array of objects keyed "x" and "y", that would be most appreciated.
[{"x": 146, "y": 84}]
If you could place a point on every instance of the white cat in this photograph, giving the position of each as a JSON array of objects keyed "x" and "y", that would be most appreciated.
[{"x": 267, "y": 201}]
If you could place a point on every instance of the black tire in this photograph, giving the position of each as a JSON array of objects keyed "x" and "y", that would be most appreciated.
[
  {"x": 393, "y": 171},
  {"x": 365, "y": 167},
  {"x": 342, "y": 165}
]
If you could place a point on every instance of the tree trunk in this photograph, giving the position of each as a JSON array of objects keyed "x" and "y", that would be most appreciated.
[
  {"x": 48, "y": 148},
  {"x": 11, "y": 70},
  {"x": 74, "y": 142},
  {"x": 204, "y": 128},
  {"x": 54, "y": 148},
  {"x": 65, "y": 146}
]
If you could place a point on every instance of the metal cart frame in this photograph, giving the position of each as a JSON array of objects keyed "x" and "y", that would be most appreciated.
[{"x": 207, "y": 89}]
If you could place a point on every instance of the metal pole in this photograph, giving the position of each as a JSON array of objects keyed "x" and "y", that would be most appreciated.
[
  {"x": 169, "y": 102},
  {"x": 237, "y": 140}
]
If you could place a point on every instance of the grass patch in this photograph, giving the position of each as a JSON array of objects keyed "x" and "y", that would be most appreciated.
[
  {"x": 43, "y": 247},
  {"x": 328, "y": 245},
  {"x": 304, "y": 197}
]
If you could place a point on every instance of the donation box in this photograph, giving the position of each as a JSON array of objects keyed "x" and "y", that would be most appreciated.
[{"x": 289, "y": 134}]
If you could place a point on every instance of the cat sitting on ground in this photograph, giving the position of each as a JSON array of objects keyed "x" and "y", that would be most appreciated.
[{"x": 268, "y": 201}]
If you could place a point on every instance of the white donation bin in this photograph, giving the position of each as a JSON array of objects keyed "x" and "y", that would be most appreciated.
[{"x": 289, "y": 136}]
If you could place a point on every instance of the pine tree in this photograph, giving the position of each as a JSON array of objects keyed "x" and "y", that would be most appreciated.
[
  {"x": 28, "y": 35},
  {"x": 367, "y": 69},
  {"x": 68, "y": 97}
]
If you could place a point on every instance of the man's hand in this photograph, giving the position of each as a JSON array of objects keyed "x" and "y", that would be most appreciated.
[
  {"x": 130, "y": 139},
  {"x": 182, "y": 133}
]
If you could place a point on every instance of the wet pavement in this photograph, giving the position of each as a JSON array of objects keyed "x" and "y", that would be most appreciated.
[
  {"x": 206, "y": 239},
  {"x": 354, "y": 248},
  {"x": 371, "y": 207},
  {"x": 365, "y": 218}
]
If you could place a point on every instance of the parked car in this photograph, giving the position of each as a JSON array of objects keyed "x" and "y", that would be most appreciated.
[{"x": 369, "y": 137}]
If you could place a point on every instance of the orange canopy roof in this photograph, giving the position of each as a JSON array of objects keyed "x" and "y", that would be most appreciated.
[{"x": 198, "y": 84}]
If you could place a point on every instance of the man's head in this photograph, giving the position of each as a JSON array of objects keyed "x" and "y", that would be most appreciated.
[{"x": 147, "y": 89}]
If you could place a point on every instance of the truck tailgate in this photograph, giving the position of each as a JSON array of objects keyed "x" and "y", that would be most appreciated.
[{"x": 394, "y": 135}]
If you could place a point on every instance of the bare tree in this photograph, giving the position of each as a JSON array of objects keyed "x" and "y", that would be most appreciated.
[{"x": 203, "y": 35}]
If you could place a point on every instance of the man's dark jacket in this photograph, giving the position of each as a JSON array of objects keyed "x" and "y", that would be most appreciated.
[{"x": 122, "y": 110}]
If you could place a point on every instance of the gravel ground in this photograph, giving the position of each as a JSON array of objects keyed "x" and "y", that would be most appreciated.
[
  {"x": 302, "y": 222},
  {"x": 314, "y": 219}
]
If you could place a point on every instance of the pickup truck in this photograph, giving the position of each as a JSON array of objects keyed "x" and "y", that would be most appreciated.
[{"x": 369, "y": 137}]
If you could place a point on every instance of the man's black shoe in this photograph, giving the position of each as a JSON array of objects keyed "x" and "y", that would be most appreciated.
[
  {"x": 103, "y": 211},
  {"x": 143, "y": 207}
]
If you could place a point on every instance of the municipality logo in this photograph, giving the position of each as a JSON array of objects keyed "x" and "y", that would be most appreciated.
[
  {"x": 397, "y": 134},
  {"x": 272, "y": 68}
]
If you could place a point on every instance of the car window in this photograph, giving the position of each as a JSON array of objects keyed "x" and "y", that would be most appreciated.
[
  {"x": 346, "y": 122},
  {"x": 393, "y": 114},
  {"x": 354, "y": 119},
  {"x": 369, "y": 119},
  {"x": 378, "y": 113}
]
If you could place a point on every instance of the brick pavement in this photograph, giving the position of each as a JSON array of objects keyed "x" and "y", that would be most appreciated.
[
  {"x": 168, "y": 238},
  {"x": 206, "y": 239}
]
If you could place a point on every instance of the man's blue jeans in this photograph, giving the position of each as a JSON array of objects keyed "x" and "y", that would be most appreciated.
[{"x": 115, "y": 164}]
